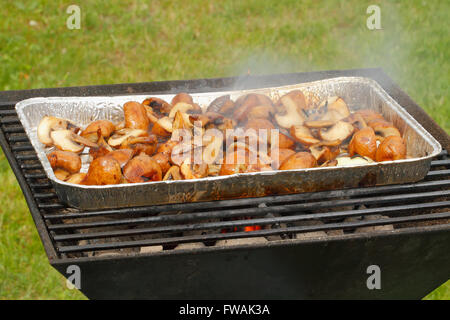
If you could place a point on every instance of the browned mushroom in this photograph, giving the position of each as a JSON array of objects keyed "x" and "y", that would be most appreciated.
[
  {"x": 103, "y": 171},
  {"x": 278, "y": 156},
  {"x": 120, "y": 136},
  {"x": 182, "y": 97},
  {"x": 363, "y": 143},
  {"x": 173, "y": 174},
  {"x": 135, "y": 116},
  {"x": 76, "y": 178},
  {"x": 158, "y": 104},
  {"x": 303, "y": 135},
  {"x": 293, "y": 104},
  {"x": 392, "y": 148},
  {"x": 300, "y": 160},
  {"x": 163, "y": 160},
  {"x": 68, "y": 161},
  {"x": 146, "y": 144},
  {"x": 368, "y": 115},
  {"x": 97, "y": 129},
  {"x": 383, "y": 128},
  {"x": 122, "y": 156},
  {"x": 142, "y": 168},
  {"x": 339, "y": 131}
]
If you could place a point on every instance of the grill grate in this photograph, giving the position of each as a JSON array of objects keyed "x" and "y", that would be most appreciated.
[{"x": 76, "y": 233}]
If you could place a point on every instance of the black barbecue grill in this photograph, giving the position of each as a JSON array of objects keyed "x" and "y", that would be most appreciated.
[{"x": 309, "y": 245}]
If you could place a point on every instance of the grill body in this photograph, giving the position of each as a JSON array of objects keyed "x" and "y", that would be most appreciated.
[{"x": 413, "y": 258}]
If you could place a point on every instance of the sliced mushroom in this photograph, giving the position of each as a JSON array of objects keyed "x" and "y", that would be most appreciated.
[
  {"x": 76, "y": 178},
  {"x": 303, "y": 135},
  {"x": 338, "y": 104},
  {"x": 68, "y": 161},
  {"x": 392, "y": 148},
  {"x": 213, "y": 150},
  {"x": 146, "y": 144},
  {"x": 300, "y": 160},
  {"x": 121, "y": 136},
  {"x": 181, "y": 121},
  {"x": 318, "y": 124},
  {"x": 339, "y": 131},
  {"x": 383, "y": 128},
  {"x": 260, "y": 112},
  {"x": 293, "y": 115},
  {"x": 103, "y": 149},
  {"x": 157, "y": 104},
  {"x": 163, "y": 127},
  {"x": 173, "y": 174},
  {"x": 61, "y": 174},
  {"x": 193, "y": 171},
  {"x": 363, "y": 143},
  {"x": 324, "y": 153},
  {"x": 180, "y": 107},
  {"x": 351, "y": 161},
  {"x": 66, "y": 140},
  {"x": 47, "y": 125},
  {"x": 135, "y": 116},
  {"x": 94, "y": 130},
  {"x": 122, "y": 156}
]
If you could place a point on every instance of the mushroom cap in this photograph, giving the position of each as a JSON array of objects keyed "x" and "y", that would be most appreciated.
[
  {"x": 363, "y": 143},
  {"x": 47, "y": 125},
  {"x": 299, "y": 160},
  {"x": 392, "y": 148},
  {"x": 103, "y": 171}
]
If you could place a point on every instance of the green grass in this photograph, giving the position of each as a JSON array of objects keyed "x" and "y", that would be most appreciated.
[{"x": 130, "y": 41}]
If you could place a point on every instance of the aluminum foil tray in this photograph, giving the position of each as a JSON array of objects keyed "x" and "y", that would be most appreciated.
[{"x": 358, "y": 93}]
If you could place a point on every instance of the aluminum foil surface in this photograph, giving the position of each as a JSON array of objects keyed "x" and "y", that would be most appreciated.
[{"x": 358, "y": 93}]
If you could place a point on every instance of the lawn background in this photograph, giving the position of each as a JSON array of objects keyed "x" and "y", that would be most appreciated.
[{"x": 135, "y": 41}]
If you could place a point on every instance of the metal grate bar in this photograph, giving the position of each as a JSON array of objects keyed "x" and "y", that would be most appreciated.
[
  {"x": 281, "y": 209},
  {"x": 258, "y": 233},
  {"x": 255, "y": 201},
  {"x": 249, "y": 222}
]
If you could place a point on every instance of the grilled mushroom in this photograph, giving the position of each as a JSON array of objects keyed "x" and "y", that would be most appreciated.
[
  {"x": 173, "y": 174},
  {"x": 300, "y": 160},
  {"x": 293, "y": 105},
  {"x": 383, "y": 128},
  {"x": 94, "y": 130},
  {"x": 122, "y": 156},
  {"x": 135, "y": 116},
  {"x": 157, "y": 104},
  {"x": 303, "y": 135},
  {"x": 163, "y": 160},
  {"x": 392, "y": 148},
  {"x": 122, "y": 135},
  {"x": 182, "y": 97},
  {"x": 66, "y": 140},
  {"x": 68, "y": 161},
  {"x": 142, "y": 168},
  {"x": 47, "y": 125},
  {"x": 103, "y": 171},
  {"x": 339, "y": 131},
  {"x": 76, "y": 178},
  {"x": 363, "y": 143},
  {"x": 163, "y": 127}
]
